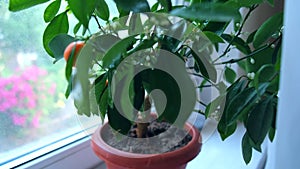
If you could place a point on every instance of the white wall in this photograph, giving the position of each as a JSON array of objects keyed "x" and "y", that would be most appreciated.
[{"x": 285, "y": 151}]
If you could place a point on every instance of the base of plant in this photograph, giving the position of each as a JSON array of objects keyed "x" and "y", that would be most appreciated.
[
  {"x": 118, "y": 159},
  {"x": 161, "y": 137}
]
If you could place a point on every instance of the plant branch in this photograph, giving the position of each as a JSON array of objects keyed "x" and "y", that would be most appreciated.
[
  {"x": 203, "y": 104},
  {"x": 200, "y": 112},
  {"x": 227, "y": 49},
  {"x": 251, "y": 54},
  {"x": 98, "y": 23}
]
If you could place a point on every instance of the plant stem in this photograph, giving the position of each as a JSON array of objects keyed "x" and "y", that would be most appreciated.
[
  {"x": 98, "y": 23},
  {"x": 227, "y": 49},
  {"x": 203, "y": 104},
  {"x": 200, "y": 112},
  {"x": 251, "y": 54},
  {"x": 142, "y": 127}
]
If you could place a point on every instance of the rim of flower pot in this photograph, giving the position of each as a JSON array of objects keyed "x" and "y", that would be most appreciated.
[{"x": 182, "y": 155}]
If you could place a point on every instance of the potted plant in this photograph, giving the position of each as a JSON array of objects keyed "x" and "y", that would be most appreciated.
[{"x": 116, "y": 70}]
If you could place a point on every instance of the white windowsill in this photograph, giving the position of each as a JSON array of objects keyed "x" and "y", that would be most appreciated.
[{"x": 215, "y": 154}]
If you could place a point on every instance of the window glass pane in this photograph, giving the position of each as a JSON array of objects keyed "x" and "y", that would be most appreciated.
[{"x": 33, "y": 110}]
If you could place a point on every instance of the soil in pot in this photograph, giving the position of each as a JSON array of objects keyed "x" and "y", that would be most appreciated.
[{"x": 161, "y": 137}]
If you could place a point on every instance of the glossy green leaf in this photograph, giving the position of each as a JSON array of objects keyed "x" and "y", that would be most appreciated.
[
  {"x": 114, "y": 54},
  {"x": 151, "y": 82},
  {"x": 213, "y": 37},
  {"x": 100, "y": 86},
  {"x": 135, "y": 25},
  {"x": 58, "y": 25},
  {"x": 271, "y": 2},
  {"x": 94, "y": 107},
  {"x": 250, "y": 37},
  {"x": 51, "y": 10},
  {"x": 246, "y": 148},
  {"x": 267, "y": 29},
  {"x": 226, "y": 130},
  {"x": 239, "y": 43},
  {"x": 135, "y": 6},
  {"x": 259, "y": 58},
  {"x": 17, "y": 5},
  {"x": 117, "y": 121},
  {"x": 248, "y": 3},
  {"x": 243, "y": 101},
  {"x": 104, "y": 42},
  {"x": 76, "y": 28},
  {"x": 154, "y": 7},
  {"x": 216, "y": 104},
  {"x": 272, "y": 133},
  {"x": 81, "y": 90},
  {"x": 58, "y": 45},
  {"x": 103, "y": 105},
  {"x": 102, "y": 10},
  {"x": 208, "y": 11},
  {"x": 205, "y": 67},
  {"x": 216, "y": 27},
  {"x": 265, "y": 74},
  {"x": 166, "y": 4},
  {"x": 82, "y": 10},
  {"x": 229, "y": 75},
  {"x": 236, "y": 88},
  {"x": 260, "y": 120}
]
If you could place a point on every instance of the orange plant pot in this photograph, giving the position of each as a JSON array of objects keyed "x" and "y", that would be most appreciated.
[{"x": 117, "y": 159}]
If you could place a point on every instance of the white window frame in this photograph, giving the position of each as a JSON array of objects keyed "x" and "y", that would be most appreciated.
[{"x": 73, "y": 152}]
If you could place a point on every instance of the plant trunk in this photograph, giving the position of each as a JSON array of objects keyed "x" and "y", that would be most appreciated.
[{"x": 142, "y": 126}]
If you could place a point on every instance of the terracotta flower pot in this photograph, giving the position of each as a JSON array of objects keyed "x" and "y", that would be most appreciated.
[{"x": 117, "y": 159}]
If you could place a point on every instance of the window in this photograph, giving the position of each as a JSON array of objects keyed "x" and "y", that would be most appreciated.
[{"x": 34, "y": 114}]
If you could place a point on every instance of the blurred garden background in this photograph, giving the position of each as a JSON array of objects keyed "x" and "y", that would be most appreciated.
[{"x": 33, "y": 108}]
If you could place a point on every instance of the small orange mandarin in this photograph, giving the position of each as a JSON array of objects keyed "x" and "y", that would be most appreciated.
[{"x": 68, "y": 51}]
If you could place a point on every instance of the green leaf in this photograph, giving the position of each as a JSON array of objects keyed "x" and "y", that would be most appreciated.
[
  {"x": 76, "y": 28},
  {"x": 166, "y": 4},
  {"x": 17, "y": 5},
  {"x": 229, "y": 75},
  {"x": 58, "y": 45},
  {"x": 208, "y": 11},
  {"x": 267, "y": 29},
  {"x": 135, "y": 6},
  {"x": 214, "y": 38},
  {"x": 260, "y": 120},
  {"x": 100, "y": 86},
  {"x": 104, "y": 42},
  {"x": 246, "y": 148},
  {"x": 117, "y": 121},
  {"x": 114, "y": 54},
  {"x": 216, "y": 104},
  {"x": 170, "y": 107},
  {"x": 248, "y": 3},
  {"x": 259, "y": 58},
  {"x": 206, "y": 68},
  {"x": 250, "y": 37},
  {"x": 243, "y": 101},
  {"x": 135, "y": 25},
  {"x": 271, "y": 2},
  {"x": 265, "y": 74},
  {"x": 239, "y": 43},
  {"x": 226, "y": 130},
  {"x": 51, "y": 10},
  {"x": 154, "y": 7},
  {"x": 82, "y": 10},
  {"x": 216, "y": 27},
  {"x": 103, "y": 105},
  {"x": 271, "y": 135},
  {"x": 102, "y": 10},
  {"x": 58, "y": 25}
]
